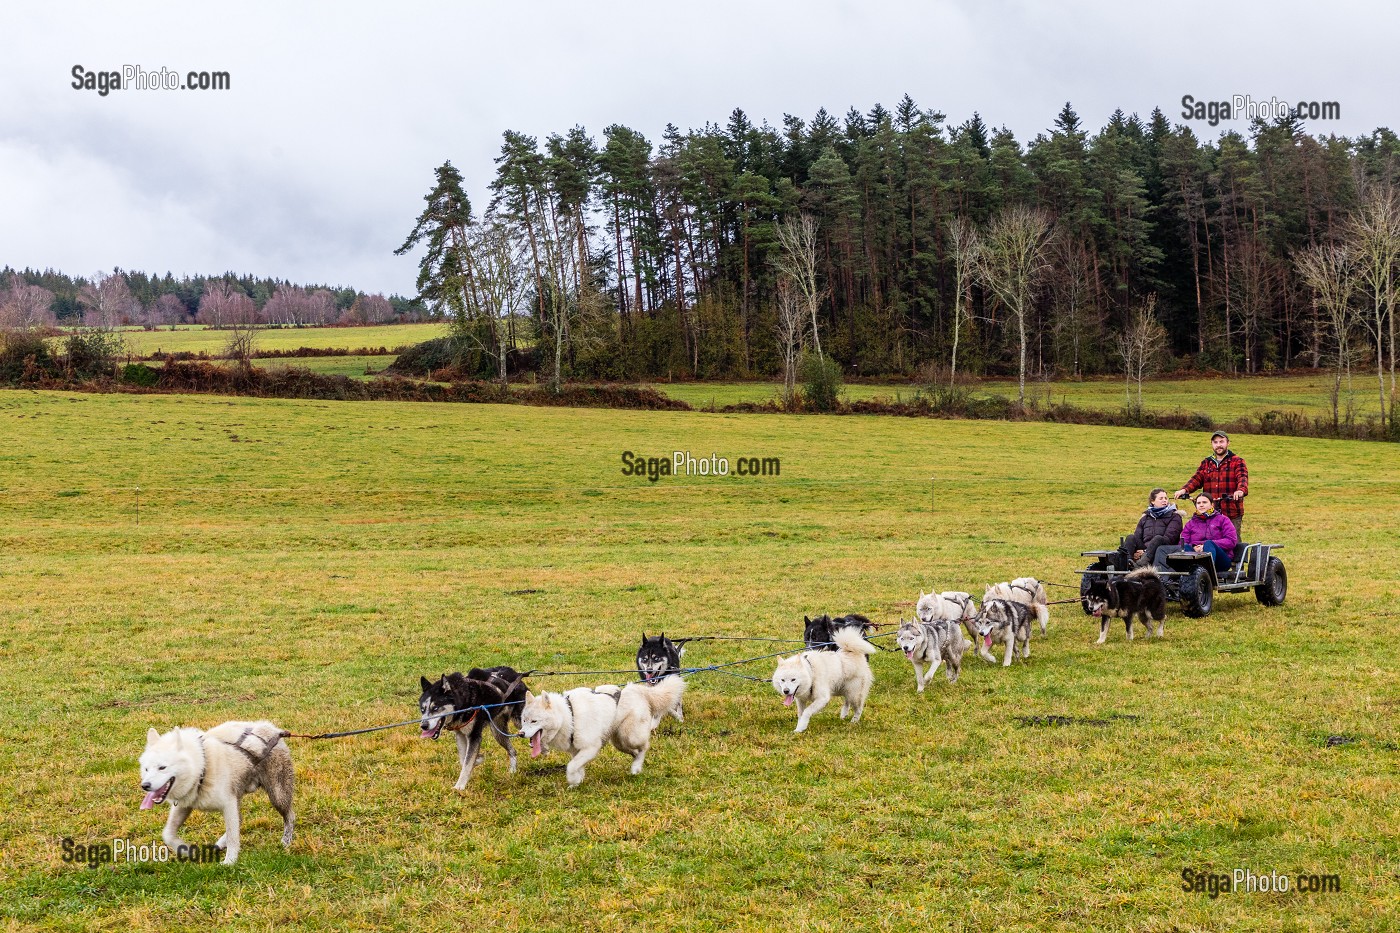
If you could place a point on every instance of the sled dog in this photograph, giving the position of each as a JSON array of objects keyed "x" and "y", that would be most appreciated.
[
  {"x": 195, "y": 770},
  {"x": 812, "y": 678}
]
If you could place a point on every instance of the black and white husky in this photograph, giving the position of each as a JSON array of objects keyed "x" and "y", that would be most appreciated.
[
  {"x": 660, "y": 657},
  {"x": 933, "y": 643},
  {"x": 820, "y": 633},
  {"x": 1140, "y": 594},
  {"x": 488, "y": 698},
  {"x": 1004, "y": 620}
]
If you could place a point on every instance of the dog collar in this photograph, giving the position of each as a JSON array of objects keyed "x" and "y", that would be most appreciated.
[{"x": 462, "y": 725}]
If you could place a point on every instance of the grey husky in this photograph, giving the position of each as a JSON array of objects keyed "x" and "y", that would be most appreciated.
[
  {"x": 1004, "y": 620},
  {"x": 932, "y": 643}
]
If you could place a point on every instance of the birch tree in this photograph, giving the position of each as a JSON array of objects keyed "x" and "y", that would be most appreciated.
[
  {"x": 1329, "y": 271},
  {"x": 965, "y": 248},
  {"x": 1372, "y": 235},
  {"x": 1012, "y": 264},
  {"x": 1141, "y": 346},
  {"x": 797, "y": 261},
  {"x": 792, "y": 335}
]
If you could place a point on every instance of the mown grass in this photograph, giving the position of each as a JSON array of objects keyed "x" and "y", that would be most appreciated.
[
  {"x": 1224, "y": 399},
  {"x": 306, "y": 561},
  {"x": 143, "y": 343}
]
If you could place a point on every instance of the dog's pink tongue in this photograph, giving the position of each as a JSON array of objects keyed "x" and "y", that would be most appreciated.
[
  {"x": 988, "y": 641},
  {"x": 537, "y": 745},
  {"x": 150, "y": 800},
  {"x": 909, "y": 655},
  {"x": 788, "y": 699}
]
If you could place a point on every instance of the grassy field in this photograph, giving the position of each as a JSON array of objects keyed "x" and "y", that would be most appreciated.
[
  {"x": 1223, "y": 399},
  {"x": 143, "y": 343},
  {"x": 354, "y": 366},
  {"x": 307, "y": 561}
]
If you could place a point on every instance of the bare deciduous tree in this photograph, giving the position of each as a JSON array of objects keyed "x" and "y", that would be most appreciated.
[
  {"x": 1330, "y": 273},
  {"x": 797, "y": 260},
  {"x": 1372, "y": 235},
  {"x": 368, "y": 309},
  {"x": 1013, "y": 263},
  {"x": 792, "y": 335},
  {"x": 965, "y": 248},
  {"x": 225, "y": 306},
  {"x": 1141, "y": 346},
  {"x": 107, "y": 302},
  {"x": 1253, "y": 281},
  {"x": 1078, "y": 319},
  {"x": 495, "y": 292},
  {"x": 576, "y": 314},
  {"x": 167, "y": 309},
  {"x": 25, "y": 306}
]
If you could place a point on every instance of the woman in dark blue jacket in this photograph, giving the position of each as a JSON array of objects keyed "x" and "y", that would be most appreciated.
[{"x": 1160, "y": 525}]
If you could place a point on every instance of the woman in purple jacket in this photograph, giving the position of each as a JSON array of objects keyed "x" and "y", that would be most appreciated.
[{"x": 1208, "y": 532}]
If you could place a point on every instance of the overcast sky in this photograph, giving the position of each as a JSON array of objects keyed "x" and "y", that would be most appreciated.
[{"x": 313, "y": 166}]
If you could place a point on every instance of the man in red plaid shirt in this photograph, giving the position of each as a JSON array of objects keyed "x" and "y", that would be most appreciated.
[{"x": 1224, "y": 478}]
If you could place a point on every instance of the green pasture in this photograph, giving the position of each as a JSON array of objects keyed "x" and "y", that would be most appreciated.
[
  {"x": 1223, "y": 398},
  {"x": 358, "y": 367},
  {"x": 144, "y": 343},
  {"x": 307, "y": 561}
]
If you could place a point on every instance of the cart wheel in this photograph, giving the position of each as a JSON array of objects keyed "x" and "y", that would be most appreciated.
[
  {"x": 1197, "y": 596},
  {"x": 1275, "y": 586}
]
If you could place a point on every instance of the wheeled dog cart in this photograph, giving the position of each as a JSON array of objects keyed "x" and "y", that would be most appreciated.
[{"x": 1194, "y": 581}]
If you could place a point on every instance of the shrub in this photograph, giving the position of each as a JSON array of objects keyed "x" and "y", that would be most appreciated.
[
  {"x": 428, "y": 357},
  {"x": 24, "y": 356},
  {"x": 139, "y": 374},
  {"x": 821, "y": 382},
  {"x": 92, "y": 354}
]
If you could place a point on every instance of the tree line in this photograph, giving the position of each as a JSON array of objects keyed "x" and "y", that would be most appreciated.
[
  {"x": 118, "y": 298},
  {"x": 909, "y": 242}
]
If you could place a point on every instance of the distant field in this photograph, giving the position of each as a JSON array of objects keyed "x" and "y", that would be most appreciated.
[
  {"x": 307, "y": 561},
  {"x": 1223, "y": 399},
  {"x": 353, "y": 366},
  {"x": 195, "y": 340}
]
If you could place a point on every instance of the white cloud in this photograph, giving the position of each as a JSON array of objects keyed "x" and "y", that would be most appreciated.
[{"x": 313, "y": 166}]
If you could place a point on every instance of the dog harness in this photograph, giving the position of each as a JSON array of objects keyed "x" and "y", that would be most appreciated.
[
  {"x": 238, "y": 744},
  {"x": 569, "y": 703},
  {"x": 203, "y": 768}
]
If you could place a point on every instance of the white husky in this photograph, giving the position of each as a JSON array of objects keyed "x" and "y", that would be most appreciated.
[
  {"x": 195, "y": 770},
  {"x": 952, "y": 606},
  {"x": 812, "y": 678},
  {"x": 1026, "y": 590},
  {"x": 581, "y": 721}
]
